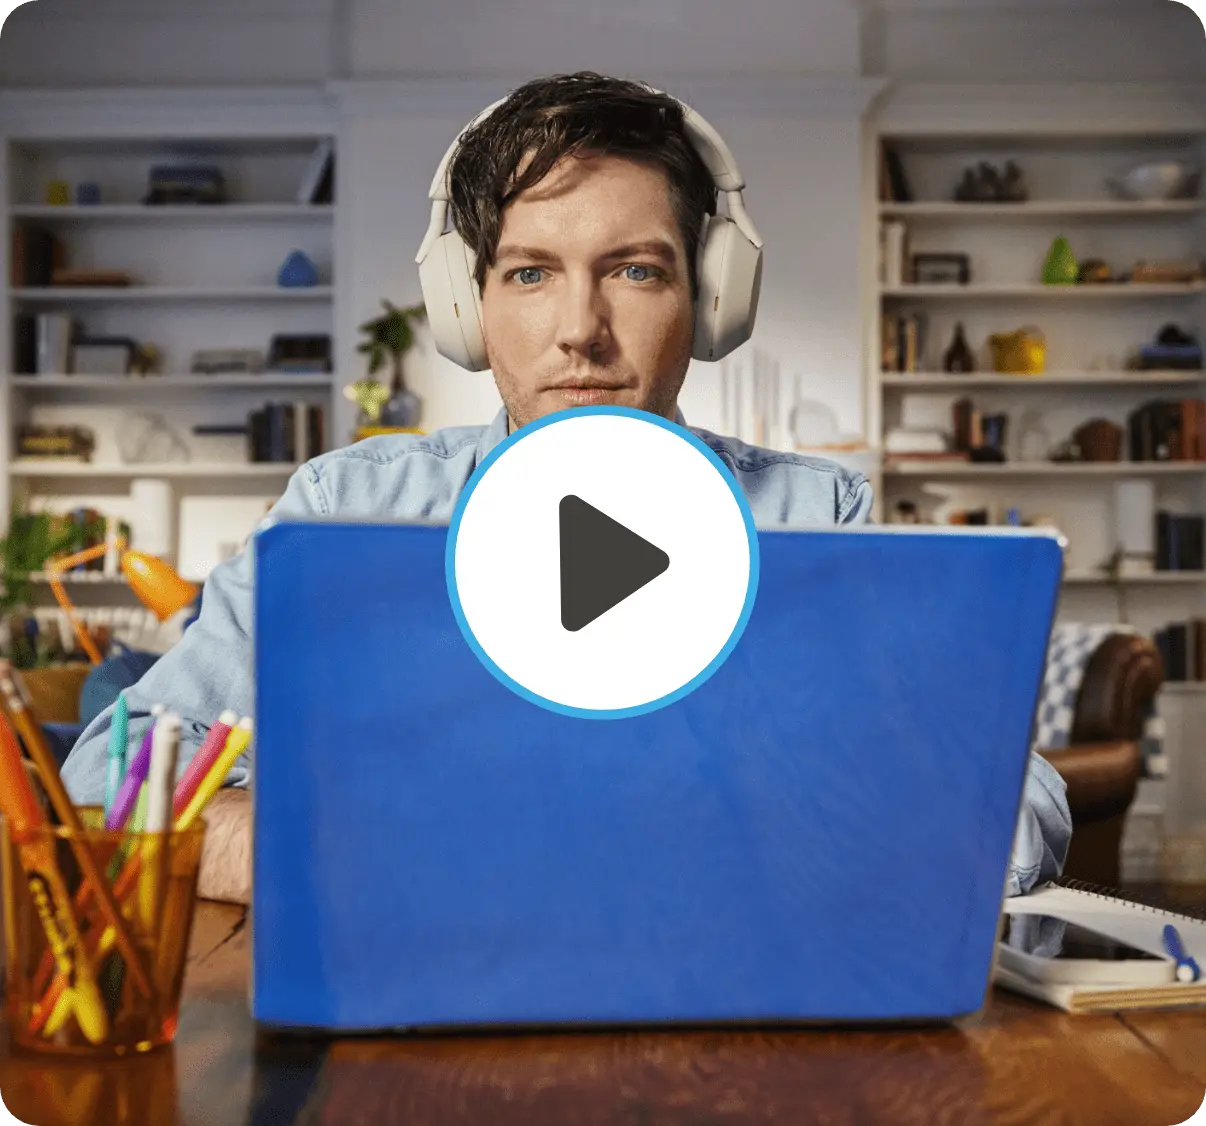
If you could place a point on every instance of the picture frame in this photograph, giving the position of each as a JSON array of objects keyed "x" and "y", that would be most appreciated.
[
  {"x": 941, "y": 269},
  {"x": 102, "y": 355}
]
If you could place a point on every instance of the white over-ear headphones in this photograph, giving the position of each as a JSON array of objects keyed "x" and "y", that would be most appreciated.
[{"x": 729, "y": 261}]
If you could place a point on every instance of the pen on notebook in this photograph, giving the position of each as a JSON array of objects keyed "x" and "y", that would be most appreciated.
[
  {"x": 136, "y": 774},
  {"x": 118, "y": 729},
  {"x": 12, "y": 696},
  {"x": 203, "y": 760},
  {"x": 1187, "y": 968}
]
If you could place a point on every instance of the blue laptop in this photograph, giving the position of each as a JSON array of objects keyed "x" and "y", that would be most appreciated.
[{"x": 819, "y": 832}]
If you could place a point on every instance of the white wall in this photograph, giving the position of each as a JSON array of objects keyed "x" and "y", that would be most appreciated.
[{"x": 801, "y": 157}]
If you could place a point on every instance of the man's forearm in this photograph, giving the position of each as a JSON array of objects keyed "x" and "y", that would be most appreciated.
[{"x": 226, "y": 857}]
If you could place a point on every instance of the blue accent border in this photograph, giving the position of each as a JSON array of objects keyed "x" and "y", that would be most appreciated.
[{"x": 751, "y": 589}]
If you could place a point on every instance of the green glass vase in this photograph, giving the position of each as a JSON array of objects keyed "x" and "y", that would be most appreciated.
[{"x": 1060, "y": 267}]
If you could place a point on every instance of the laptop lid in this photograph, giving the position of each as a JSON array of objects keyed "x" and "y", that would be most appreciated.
[{"x": 819, "y": 832}]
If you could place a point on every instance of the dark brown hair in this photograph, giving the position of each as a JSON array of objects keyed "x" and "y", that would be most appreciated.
[{"x": 561, "y": 115}]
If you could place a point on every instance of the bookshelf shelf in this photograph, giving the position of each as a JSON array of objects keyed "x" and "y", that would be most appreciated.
[
  {"x": 922, "y": 467},
  {"x": 113, "y": 295},
  {"x": 31, "y": 468},
  {"x": 166, "y": 384},
  {"x": 81, "y": 578},
  {"x": 186, "y": 213},
  {"x": 1184, "y": 687},
  {"x": 1040, "y": 210},
  {"x": 937, "y": 381},
  {"x": 1160, "y": 578},
  {"x": 1039, "y": 292}
]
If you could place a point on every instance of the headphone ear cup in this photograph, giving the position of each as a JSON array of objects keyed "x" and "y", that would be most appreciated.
[
  {"x": 454, "y": 310},
  {"x": 729, "y": 286}
]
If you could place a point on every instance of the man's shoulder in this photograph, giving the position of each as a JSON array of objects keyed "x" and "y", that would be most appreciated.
[
  {"x": 405, "y": 476},
  {"x": 792, "y": 488},
  {"x": 390, "y": 449}
]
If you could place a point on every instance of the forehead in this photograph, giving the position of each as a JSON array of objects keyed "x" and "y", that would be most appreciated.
[{"x": 596, "y": 197}]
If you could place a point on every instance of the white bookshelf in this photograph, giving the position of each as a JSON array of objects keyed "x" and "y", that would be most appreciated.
[
  {"x": 203, "y": 277},
  {"x": 1067, "y": 142}
]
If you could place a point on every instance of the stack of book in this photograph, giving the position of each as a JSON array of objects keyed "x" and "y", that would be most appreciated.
[
  {"x": 1182, "y": 647},
  {"x": 1168, "y": 430},
  {"x": 35, "y": 254},
  {"x": 903, "y": 343},
  {"x": 289, "y": 432},
  {"x": 1179, "y": 542}
]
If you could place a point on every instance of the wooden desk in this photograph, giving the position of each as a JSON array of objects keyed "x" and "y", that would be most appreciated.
[{"x": 1020, "y": 1063}]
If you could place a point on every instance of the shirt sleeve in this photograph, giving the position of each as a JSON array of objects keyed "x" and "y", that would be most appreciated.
[
  {"x": 207, "y": 671},
  {"x": 1044, "y": 830},
  {"x": 855, "y": 507}
]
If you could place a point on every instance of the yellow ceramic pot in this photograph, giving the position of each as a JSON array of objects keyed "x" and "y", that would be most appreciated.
[{"x": 1019, "y": 353}]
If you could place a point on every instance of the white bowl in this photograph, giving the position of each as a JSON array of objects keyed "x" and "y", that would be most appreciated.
[{"x": 1157, "y": 180}]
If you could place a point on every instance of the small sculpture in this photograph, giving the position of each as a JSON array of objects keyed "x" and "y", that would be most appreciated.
[
  {"x": 1013, "y": 184},
  {"x": 959, "y": 358},
  {"x": 985, "y": 184},
  {"x": 297, "y": 272}
]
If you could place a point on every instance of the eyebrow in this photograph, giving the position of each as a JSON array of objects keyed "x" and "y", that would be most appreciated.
[{"x": 659, "y": 248}]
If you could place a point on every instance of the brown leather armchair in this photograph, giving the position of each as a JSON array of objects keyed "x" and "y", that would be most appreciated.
[{"x": 1102, "y": 763}]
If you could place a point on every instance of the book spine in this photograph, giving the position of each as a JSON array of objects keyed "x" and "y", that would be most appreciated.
[{"x": 1178, "y": 651}]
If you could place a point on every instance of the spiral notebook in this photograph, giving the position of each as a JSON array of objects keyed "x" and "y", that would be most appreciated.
[{"x": 1124, "y": 917}]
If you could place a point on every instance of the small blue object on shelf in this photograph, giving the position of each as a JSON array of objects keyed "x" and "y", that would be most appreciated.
[
  {"x": 297, "y": 271},
  {"x": 88, "y": 193}
]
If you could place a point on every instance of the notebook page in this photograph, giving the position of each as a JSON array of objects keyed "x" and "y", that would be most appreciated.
[{"x": 1132, "y": 923}]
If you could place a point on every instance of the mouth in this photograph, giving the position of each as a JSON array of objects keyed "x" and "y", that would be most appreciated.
[{"x": 587, "y": 392}]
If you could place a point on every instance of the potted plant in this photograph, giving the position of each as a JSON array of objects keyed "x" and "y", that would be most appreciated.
[
  {"x": 390, "y": 337},
  {"x": 32, "y": 539}
]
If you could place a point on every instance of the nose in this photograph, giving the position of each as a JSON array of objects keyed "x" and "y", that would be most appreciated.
[{"x": 584, "y": 324}]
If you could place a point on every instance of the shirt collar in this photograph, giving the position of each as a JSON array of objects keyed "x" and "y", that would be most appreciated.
[{"x": 496, "y": 432}]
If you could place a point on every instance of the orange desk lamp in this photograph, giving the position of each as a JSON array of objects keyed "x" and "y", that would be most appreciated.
[{"x": 156, "y": 584}]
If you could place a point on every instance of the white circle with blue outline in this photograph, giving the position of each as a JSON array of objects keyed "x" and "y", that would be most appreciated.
[{"x": 659, "y": 481}]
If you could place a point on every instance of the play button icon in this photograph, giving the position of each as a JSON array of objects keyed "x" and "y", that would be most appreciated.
[{"x": 602, "y": 562}]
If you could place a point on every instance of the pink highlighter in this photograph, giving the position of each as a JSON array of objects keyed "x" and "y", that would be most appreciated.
[{"x": 207, "y": 754}]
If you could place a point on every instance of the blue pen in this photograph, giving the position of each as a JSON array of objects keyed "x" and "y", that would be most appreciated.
[
  {"x": 118, "y": 732},
  {"x": 1187, "y": 968}
]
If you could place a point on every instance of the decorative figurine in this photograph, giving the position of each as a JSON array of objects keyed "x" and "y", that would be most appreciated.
[
  {"x": 959, "y": 358},
  {"x": 297, "y": 272}
]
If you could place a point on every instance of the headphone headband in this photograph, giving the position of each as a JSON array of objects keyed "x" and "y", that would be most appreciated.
[{"x": 709, "y": 144}]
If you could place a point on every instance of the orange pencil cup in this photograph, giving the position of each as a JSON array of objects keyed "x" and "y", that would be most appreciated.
[{"x": 69, "y": 988}]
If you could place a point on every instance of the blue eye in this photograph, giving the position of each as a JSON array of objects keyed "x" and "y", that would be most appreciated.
[
  {"x": 637, "y": 266},
  {"x": 527, "y": 270}
]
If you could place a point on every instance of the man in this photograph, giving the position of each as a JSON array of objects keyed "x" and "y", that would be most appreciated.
[{"x": 583, "y": 201}]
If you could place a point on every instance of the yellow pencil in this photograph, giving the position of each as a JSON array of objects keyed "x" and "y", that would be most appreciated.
[{"x": 236, "y": 743}]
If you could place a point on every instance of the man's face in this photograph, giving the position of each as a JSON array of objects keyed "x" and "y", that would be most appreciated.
[{"x": 576, "y": 311}]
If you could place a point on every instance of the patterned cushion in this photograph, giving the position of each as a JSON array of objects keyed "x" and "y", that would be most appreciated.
[{"x": 1072, "y": 645}]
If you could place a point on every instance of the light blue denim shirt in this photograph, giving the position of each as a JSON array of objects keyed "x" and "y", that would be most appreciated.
[{"x": 406, "y": 477}]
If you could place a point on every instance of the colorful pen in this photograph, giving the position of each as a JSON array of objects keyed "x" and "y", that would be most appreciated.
[
  {"x": 49, "y": 1009},
  {"x": 203, "y": 761},
  {"x": 164, "y": 752},
  {"x": 12, "y": 697},
  {"x": 236, "y": 744},
  {"x": 135, "y": 776},
  {"x": 1187, "y": 968},
  {"x": 50, "y": 897},
  {"x": 118, "y": 729}
]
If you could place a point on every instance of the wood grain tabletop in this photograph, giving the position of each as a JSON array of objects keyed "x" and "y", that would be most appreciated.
[{"x": 1018, "y": 1063}]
